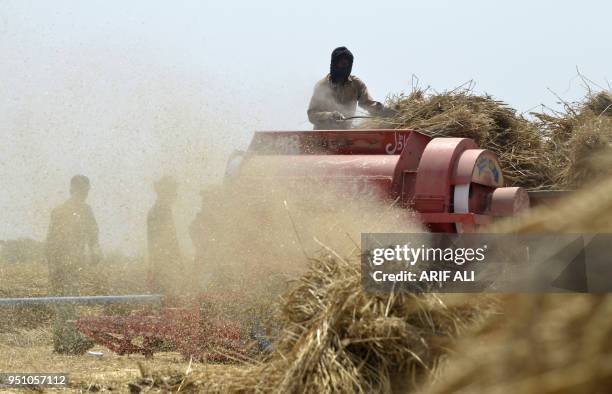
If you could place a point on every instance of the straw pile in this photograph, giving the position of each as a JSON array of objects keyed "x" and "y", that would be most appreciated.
[
  {"x": 555, "y": 343},
  {"x": 581, "y": 137},
  {"x": 600, "y": 103},
  {"x": 336, "y": 338},
  {"x": 552, "y": 151},
  {"x": 587, "y": 211},
  {"x": 523, "y": 153}
]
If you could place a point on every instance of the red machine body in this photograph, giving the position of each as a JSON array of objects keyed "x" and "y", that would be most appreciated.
[{"x": 450, "y": 183}]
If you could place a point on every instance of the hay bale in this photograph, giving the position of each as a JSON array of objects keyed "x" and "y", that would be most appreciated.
[{"x": 519, "y": 144}]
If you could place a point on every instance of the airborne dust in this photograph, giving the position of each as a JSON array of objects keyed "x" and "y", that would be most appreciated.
[
  {"x": 126, "y": 118},
  {"x": 125, "y": 123}
]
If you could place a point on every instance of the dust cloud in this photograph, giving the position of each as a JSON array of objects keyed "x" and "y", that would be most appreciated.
[
  {"x": 123, "y": 119},
  {"x": 259, "y": 231}
]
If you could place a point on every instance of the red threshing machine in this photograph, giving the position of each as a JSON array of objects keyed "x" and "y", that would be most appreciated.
[{"x": 450, "y": 184}]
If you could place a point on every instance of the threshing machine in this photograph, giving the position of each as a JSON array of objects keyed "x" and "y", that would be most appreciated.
[{"x": 449, "y": 183}]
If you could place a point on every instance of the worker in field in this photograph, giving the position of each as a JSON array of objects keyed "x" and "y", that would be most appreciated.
[
  {"x": 206, "y": 231},
  {"x": 72, "y": 244},
  {"x": 165, "y": 261},
  {"x": 336, "y": 96},
  {"x": 198, "y": 232}
]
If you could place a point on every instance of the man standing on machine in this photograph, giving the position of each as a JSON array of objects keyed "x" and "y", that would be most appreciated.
[{"x": 336, "y": 96}]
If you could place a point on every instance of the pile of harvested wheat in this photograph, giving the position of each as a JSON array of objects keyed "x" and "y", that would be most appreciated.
[
  {"x": 580, "y": 138},
  {"x": 552, "y": 151},
  {"x": 336, "y": 338},
  {"x": 554, "y": 343},
  {"x": 522, "y": 151}
]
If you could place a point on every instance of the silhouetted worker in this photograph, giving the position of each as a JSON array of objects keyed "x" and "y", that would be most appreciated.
[
  {"x": 165, "y": 262},
  {"x": 336, "y": 96},
  {"x": 204, "y": 231},
  {"x": 199, "y": 234},
  {"x": 73, "y": 232}
]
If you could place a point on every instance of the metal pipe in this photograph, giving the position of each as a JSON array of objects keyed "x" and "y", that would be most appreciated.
[
  {"x": 121, "y": 299},
  {"x": 359, "y": 117}
]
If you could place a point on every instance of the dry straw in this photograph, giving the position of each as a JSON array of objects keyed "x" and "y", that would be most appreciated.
[
  {"x": 580, "y": 137},
  {"x": 555, "y": 343},
  {"x": 336, "y": 338},
  {"x": 544, "y": 344},
  {"x": 523, "y": 153},
  {"x": 551, "y": 151}
]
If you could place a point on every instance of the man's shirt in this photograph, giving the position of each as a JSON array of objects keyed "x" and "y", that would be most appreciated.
[
  {"x": 161, "y": 235},
  {"x": 72, "y": 229},
  {"x": 329, "y": 97}
]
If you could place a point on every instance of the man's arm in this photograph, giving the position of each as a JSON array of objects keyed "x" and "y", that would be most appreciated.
[
  {"x": 93, "y": 236},
  {"x": 366, "y": 101},
  {"x": 318, "y": 111}
]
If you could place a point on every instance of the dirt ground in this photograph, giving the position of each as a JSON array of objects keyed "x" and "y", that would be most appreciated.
[
  {"x": 86, "y": 373},
  {"x": 26, "y": 339},
  {"x": 32, "y": 351}
]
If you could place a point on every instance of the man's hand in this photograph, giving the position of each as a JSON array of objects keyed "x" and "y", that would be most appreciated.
[{"x": 336, "y": 116}]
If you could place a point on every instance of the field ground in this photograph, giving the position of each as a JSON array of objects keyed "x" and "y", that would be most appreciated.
[
  {"x": 32, "y": 351},
  {"x": 26, "y": 339}
]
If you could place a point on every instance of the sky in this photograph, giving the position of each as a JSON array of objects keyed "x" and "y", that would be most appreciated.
[{"x": 125, "y": 92}]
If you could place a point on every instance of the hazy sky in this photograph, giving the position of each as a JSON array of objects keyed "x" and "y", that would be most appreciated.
[{"x": 124, "y": 91}]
